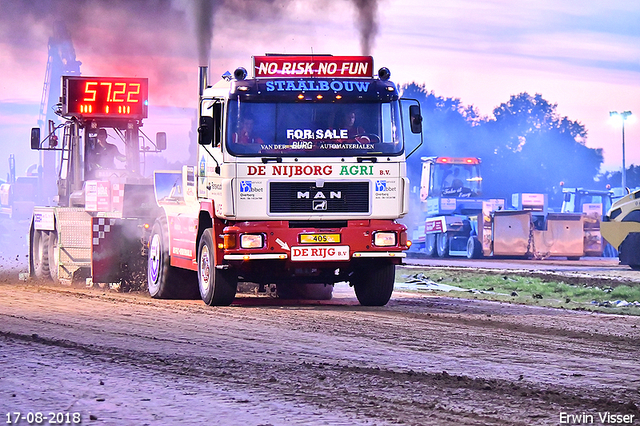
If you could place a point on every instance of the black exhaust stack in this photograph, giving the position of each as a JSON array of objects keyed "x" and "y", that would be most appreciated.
[{"x": 204, "y": 71}]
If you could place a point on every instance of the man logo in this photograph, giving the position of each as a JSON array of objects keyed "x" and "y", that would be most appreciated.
[
  {"x": 245, "y": 186},
  {"x": 319, "y": 205},
  {"x": 319, "y": 194}
]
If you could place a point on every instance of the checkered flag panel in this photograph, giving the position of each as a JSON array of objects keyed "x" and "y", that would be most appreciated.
[{"x": 101, "y": 227}]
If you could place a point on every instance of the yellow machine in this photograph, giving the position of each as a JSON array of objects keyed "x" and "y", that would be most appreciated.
[{"x": 621, "y": 228}]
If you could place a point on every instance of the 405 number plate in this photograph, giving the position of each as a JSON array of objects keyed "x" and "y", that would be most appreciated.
[{"x": 319, "y": 238}]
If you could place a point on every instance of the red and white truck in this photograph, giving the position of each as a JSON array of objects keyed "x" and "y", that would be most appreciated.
[{"x": 301, "y": 176}]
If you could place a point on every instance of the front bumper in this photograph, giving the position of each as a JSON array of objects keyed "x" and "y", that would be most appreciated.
[{"x": 284, "y": 240}]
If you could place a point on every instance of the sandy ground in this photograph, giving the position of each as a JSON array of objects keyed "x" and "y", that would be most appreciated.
[{"x": 126, "y": 359}]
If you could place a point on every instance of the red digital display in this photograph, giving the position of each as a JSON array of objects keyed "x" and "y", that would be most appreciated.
[
  {"x": 312, "y": 66},
  {"x": 105, "y": 97}
]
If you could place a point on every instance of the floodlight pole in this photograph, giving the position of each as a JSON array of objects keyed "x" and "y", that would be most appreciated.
[{"x": 624, "y": 116}]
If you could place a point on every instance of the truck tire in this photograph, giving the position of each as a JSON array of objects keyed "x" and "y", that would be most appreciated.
[
  {"x": 474, "y": 248},
  {"x": 54, "y": 255},
  {"x": 217, "y": 286},
  {"x": 442, "y": 243},
  {"x": 163, "y": 280},
  {"x": 40, "y": 254},
  {"x": 373, "y": 283},
  {"x": 430, "y": 245}
]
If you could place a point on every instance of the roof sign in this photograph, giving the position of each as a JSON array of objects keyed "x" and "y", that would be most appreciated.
[{"x": 312, "y": 66}]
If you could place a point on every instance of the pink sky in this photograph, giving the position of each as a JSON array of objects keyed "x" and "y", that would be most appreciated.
[{"x": 582, "y": 55}]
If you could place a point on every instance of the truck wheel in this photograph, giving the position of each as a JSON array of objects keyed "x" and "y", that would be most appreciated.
[
  {"x": 217, "y": 286},
  {"x": 40, "y": 254},
  {"x": 474, "y": 248},
  {"x": 442, "y": 244},
  {"x": 373, "y": 283},
  {"x": 162, "y": 278},
  {"x": 430, "y": 245},
  {"x": 54, "y": 255}
]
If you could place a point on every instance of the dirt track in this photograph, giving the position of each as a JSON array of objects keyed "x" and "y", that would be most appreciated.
[{"x": 422, "y": 360}]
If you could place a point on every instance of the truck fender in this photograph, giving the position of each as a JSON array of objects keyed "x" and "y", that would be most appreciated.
[
  {"x": 207, "y": 220},
  {"x": 181, "y": 238}
]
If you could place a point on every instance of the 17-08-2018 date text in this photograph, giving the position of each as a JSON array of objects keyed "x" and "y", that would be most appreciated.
[{"x": 43, "y": 418}]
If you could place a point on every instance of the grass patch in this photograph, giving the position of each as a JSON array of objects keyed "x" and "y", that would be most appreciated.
[{"x": 472, "y": 284}]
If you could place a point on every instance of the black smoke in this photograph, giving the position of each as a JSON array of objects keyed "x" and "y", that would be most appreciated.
[
  {"x": 203, "y": 17},
  {"x": 182, "y": 28},
  {"x": 204, "y": 12},
  {"x": 367, "y": 23}
]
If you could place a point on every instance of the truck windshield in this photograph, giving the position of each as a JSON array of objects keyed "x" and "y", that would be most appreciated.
[
  {"x": 314, "y": 129},
  {"x": 456, "y": 180}
]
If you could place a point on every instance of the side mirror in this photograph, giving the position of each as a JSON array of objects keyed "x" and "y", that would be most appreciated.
[
  {"x": 35, "y": 138},
  {"x": 161, "y": 141},
  {"x": 205, "y": 131},
  {"x": 416, "y": 118}
]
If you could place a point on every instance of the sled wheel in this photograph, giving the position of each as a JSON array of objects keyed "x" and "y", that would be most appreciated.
[
  {"x": 40, "y": 254},
  {"x": 54, "y": 255}
]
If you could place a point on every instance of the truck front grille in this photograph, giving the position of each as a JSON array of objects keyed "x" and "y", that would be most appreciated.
[{"x": 306, "y": 197}]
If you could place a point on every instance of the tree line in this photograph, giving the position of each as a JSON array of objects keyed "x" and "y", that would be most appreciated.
[{"x": 525, "y": 145}]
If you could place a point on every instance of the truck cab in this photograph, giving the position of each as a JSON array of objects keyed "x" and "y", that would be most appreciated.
[
  {"x": 301, "y": 176},
  {"x": 450, "y": 195},
  {"x": 450, "y": 177}
]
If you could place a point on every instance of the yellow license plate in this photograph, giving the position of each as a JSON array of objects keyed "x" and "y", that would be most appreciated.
[{"x": 319, "y": 238}]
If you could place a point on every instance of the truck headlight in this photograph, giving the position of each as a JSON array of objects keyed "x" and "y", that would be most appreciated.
[
  {"x": 384, "y": 239},
  {"x": 251, "y": 241}
]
